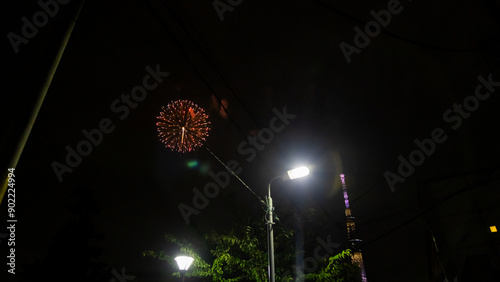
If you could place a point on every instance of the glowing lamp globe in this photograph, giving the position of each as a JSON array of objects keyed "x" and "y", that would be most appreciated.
[{"x": 184, "y": 262}]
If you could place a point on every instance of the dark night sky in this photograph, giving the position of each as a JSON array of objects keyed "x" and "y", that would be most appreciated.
[{"x": 354, "y": 118}]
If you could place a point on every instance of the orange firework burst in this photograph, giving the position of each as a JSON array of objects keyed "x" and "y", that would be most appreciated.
[{"x": 182, "y": 126}]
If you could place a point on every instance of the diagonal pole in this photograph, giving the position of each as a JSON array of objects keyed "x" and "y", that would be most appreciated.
[{"x": 41, "y": 96}]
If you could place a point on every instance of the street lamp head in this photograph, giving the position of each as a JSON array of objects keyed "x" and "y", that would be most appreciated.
[
  {"x": 184, "y": 262},
  {"x": 298, "y": 172}
]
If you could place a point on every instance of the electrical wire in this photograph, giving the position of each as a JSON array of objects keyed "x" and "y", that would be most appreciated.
[
  {"x": 393, "y": 35},
  {"x": 235, "y": 175}
]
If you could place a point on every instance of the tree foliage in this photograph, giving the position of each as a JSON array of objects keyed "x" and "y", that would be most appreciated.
[
  {"x": 200, "y": 267},
  {"x": 338, "y": 269},
  {"x": 240, "y": 254}
]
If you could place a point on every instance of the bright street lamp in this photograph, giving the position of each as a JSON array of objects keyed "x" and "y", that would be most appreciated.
[
  {"x": 291, "y": 174},
  {"x": 298, "y": 172},
  {"x": 184, "y": 262}
]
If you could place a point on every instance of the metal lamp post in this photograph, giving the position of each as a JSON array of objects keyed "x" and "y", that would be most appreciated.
[
  {"x": 291, "y": 174},
  {"x": 184, "y": 262}
]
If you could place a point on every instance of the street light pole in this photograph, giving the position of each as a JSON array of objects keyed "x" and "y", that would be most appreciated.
[
  {"x": 291, "y": 174},
  {"x": 270, "y": 233}
]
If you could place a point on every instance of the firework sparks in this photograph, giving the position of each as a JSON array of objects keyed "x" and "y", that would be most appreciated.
[{"x": 182, "y": 126}]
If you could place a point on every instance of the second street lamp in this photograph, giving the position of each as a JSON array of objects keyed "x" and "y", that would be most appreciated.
[
  {"x": 291, "y": 174},
  {"x": 184, "y": 262}
]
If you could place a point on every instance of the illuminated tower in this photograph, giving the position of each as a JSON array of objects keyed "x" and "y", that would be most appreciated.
[{"x": 352, "y": 235}]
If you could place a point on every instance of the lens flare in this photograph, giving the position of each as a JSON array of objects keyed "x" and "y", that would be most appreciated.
[{"x": 182, "y": 126}]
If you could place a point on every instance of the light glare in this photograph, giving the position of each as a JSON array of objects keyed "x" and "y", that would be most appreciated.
[
  {"x": 493, "y": 229},
  {"x": 192, "y": 163},
  {"x": 298, "y": 172},
  {"x": 184, "y": 262}
]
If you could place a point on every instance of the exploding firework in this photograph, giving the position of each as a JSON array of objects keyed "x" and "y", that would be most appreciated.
[{"x": 182, "y": 126}]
